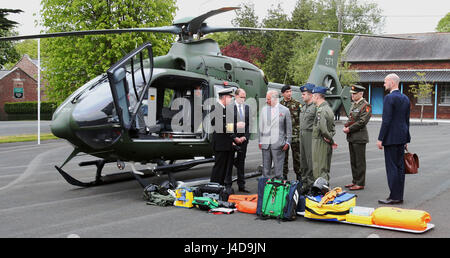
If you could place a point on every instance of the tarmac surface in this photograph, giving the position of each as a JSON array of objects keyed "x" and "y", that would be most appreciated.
[{"x": 35, "y": 201}]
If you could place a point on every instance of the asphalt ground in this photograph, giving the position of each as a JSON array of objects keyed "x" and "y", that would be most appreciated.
[
  {"x": 36, "y": 202},
  {"x": 8, "y": 128}
]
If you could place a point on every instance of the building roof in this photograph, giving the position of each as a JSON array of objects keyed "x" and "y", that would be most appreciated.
[
  {"x": 431, "y": 75},
  {"x": 4, "y": 73},
  {"x": 425, "y": 46}
]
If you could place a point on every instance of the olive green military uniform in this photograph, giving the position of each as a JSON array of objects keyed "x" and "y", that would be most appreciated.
[
  {"x": 307, "y": 116},
  {"x": 323, "y": 128},
  {"x": 357, "y": 138},
  {"x": 294, "y": 107}
]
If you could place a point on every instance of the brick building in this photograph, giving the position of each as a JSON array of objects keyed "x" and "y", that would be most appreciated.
[
  {"x": 429, "y": 53},
  {"x": 19, "y": 84}
]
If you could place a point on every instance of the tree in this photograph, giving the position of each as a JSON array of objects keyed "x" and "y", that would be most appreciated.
[
  {"x": 250, "y": 54},
  {"x": 6, "y": 24},
  {"x": 422, "y": 91},
  {"x": 331, "y": 15},
  {"x": 7, "y": 50},
  {"x": 444, "y": 24},
  {"x": 278, "y": 47},
  {"x": 69, "y": 62}
]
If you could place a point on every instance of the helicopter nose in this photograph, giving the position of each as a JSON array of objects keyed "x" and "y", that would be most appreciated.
[{"x": 60, "y": 125}]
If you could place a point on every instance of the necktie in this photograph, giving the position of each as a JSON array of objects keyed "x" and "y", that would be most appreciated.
[{"x": 241, "y": 113}]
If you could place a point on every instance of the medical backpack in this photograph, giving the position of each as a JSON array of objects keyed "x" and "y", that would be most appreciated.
[{"x": 278, "y": 198}]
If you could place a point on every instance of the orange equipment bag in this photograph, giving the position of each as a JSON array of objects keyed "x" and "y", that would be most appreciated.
[
  {"x": 247, "y": 206},
  {"x": 401, "y": 218},
  {"x": 236, "y": 198}
]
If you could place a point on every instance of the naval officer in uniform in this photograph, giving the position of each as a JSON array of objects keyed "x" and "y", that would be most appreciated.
[
  {"x": 322, "y": 135},
  {"x": 223, "y": 138},
  {"x": 357, "y": 136}
]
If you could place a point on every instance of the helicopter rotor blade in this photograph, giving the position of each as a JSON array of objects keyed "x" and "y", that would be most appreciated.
[
  {"x": 196, "y": 23},
  {"x": 164, "y": 29},
  {"x": 207, "y": 29}
]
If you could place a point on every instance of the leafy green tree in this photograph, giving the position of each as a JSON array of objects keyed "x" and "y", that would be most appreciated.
[
  {"x": 444, "y": 24},
  {"x": 278, "y": 47},
  {"x": 71, "y": 61},
  {"x": 7, "y": 50},
  {"x": 330, "y": 15},
  {"x": 422, "y": 90}
]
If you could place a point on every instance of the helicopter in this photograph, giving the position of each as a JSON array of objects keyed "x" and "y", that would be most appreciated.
[{"x": 127, "y": 113}]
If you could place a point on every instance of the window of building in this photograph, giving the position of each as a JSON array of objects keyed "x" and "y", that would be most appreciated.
[{"x": 445, "y": 94}]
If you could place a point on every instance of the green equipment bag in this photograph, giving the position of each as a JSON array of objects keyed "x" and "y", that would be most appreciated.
[
  {"x": 280, "y": 199},
  {"x": 205, "y": 203},
  {"x": 155, "y": 198}
]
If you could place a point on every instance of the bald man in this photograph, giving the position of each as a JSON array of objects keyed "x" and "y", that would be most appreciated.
[{"x": 394, "y": 136}]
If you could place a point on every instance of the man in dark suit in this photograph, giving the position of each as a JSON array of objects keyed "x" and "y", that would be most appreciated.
[
  {"x": 241, "y": 119},
  {"x": 223, "y": 138},
  {"x": 394, "y": 136}
]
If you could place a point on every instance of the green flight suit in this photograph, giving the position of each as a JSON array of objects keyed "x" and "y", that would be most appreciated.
[
  {"x": 357, "y": 138},
  {"x": 294, "y": 107},
  {"x": 307, "y": 116},
  {"x": 322, "y": 139}
]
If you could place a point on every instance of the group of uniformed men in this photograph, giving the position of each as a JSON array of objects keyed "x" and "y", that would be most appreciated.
[
  {"x": 313, "y": 131},
  {"x": 308, "y": 131}
]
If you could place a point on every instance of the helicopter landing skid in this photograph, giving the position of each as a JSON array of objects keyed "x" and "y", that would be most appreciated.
[{"x": 99, "y": 179}]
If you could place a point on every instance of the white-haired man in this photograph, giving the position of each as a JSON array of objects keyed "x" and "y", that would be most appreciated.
[{"x": 275, "y": 133}]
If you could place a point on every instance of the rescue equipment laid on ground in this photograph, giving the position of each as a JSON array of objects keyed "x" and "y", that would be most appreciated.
[
  {"x": 213, "y": 190},
  {"x": 205, "y": 203},
  {"x": 158, "y": 199},
  {"x": 247, "y": 206},
  {"x": 401, "y": 218},
  {"x": 236, "y": 198},
  {"x": 331, "y": 210},
  {"x": 221, "y": 210},
  {"x": 279, "y": 199},
  {"x": 183, "y": 198}
]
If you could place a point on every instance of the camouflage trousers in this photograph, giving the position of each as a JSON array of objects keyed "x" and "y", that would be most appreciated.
[{"x": 295, "y": 149}]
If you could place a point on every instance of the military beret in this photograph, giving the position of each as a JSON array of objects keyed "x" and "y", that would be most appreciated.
[
  {"x": 357, "y": 88},
  {"x": 307, "y": 87},
  {"x": 285, "y": 88},
  {"x": 226, "y": 91},
  {"x": 320, "y": 89}
]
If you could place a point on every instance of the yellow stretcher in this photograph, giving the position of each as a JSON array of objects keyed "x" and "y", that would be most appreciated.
[{"x": 429, "y": 226}]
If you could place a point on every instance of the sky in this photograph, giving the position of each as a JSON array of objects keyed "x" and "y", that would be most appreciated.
[{"x": 402, "y": 16}]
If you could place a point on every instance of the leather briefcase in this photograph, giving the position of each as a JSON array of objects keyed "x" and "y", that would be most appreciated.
[{"x": 411, "y": 163}]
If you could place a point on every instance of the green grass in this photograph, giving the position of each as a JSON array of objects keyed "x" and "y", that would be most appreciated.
[{"x": 26, "y": 138}]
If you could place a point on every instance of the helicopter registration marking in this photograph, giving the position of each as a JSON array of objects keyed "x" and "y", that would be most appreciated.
[{"x": 329, "y": 61}]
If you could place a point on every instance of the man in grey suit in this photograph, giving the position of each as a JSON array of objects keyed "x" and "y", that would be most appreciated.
[{"x": 275, "y": 133}]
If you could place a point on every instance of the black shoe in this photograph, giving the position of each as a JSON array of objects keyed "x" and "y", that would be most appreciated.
[
  {"x": 390, "y": 201},
  {"x": 243, "y": 190}
]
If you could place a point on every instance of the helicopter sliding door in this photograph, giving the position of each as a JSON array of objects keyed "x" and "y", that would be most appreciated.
[{"x": 129, "y": 80}]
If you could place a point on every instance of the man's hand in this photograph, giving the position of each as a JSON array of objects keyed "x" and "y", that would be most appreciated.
[
  {"x": 334, "y": 146},
  {"x": 286, "y": 147},
  {"x": 237, "y": 140},
  {"x": 380, "y": 145},
  {"x": 346, "y": 130}
]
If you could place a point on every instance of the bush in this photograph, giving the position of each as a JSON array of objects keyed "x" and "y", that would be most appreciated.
[{"x": 29, "y": 107}]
